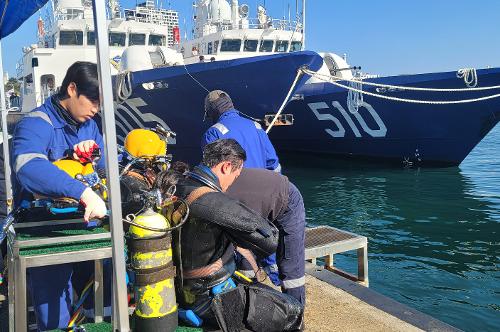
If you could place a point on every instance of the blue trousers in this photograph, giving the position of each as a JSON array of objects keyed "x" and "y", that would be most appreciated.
[
  {"x": 286, "y": 267},
  {"x": 51, "y": 289}
]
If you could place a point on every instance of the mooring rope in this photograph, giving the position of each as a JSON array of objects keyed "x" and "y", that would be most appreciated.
[
  {"x": 469, "y": 75},
  {"x": 399, "y": 87},
  {"x": 334, "y": 81},
  {"x": 300, "y": 72}
]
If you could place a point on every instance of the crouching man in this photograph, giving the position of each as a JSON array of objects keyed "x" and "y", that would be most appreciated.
[{"x": 216, "y": 224}]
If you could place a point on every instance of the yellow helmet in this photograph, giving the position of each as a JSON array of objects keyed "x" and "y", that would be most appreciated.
[
  {"x": 143, "y": 142},
  {"x": 73, "y": 167}
]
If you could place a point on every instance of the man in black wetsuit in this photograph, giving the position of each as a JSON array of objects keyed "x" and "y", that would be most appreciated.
[{"x": 215, "y": 223}]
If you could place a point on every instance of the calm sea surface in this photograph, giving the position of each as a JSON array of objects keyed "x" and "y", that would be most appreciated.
[{"x": 434, "y": 234}]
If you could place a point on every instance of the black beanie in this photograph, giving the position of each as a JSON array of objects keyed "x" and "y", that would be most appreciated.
[{"x": 216, "y": 103}]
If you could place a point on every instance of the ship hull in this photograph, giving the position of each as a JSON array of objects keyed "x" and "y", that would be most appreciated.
[
  {"x": 257, "y": 86},
  {"x": 384, "y": 130}
]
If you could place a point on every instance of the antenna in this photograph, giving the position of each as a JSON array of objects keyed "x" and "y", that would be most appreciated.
[{"x": 303, "y": 25}]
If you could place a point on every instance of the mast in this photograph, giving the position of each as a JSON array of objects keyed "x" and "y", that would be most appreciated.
[{"x": 303, "y": 25}]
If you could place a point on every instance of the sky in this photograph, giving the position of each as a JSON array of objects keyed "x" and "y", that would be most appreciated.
[{"x": 386, "y": 37}]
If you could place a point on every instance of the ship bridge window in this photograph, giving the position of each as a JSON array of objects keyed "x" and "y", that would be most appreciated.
[
  {"x": 266, "y": 46},
  {"x": 71, "y": 38},
  {"x": 117, "y": 39},
  {"x": 230, "y": 45},
  {"x": 136, "y": 39},
  {"x": 47, "y": 83},
  {"x": 296, "y": 46},
  {"x": 281, "y": 46},
  {"x": 90, "y": 38},
  {"x": 250, "y": 45},
  {"x": 157, "y": 40}
]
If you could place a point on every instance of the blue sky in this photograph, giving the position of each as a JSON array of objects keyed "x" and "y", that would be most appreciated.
[{"x": 382, "y": 36}]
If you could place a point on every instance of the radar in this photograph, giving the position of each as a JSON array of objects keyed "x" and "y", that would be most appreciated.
[
  {"x": 243, "y": 10},
  {"x": 261, "y": 15}
]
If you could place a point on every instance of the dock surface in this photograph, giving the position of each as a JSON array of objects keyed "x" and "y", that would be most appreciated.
[{"x": 329, "y": 308}]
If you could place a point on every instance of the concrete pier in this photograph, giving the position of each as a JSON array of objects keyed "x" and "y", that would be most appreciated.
[{"x": 337, "y": 304}]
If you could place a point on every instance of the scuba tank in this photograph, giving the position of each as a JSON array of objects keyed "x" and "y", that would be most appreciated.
[{"x": 151, "y": 259}]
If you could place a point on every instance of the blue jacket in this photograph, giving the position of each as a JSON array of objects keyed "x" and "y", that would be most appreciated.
[
  {"x": 40, "y": 138},
  {"x": 250, "y": 135}
]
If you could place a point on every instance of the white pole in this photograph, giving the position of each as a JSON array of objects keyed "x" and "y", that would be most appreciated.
[
  {"x": 303, "y": 24},
  {"x": 120, "y": 308},
  {"x": 5, "y": 142}
]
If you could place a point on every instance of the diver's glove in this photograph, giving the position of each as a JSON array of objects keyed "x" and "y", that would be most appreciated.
[
  {"x": 83, "y": 151},
  {"x": 94, "y": 205}
]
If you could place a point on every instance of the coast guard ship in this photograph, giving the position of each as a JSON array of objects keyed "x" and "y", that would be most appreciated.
[{"x": 433, "y": 119}]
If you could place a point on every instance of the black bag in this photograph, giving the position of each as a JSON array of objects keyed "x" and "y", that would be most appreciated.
[{"x": 257, "y": 308}]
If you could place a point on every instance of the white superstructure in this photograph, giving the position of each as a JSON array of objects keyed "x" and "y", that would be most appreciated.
[
  {"x": 148, "y": 12},
  {"x": 223, "y": 30},
  {"x": 70, "y": 37}
]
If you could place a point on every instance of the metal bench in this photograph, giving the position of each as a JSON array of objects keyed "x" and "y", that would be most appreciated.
[
  {"x": 326, "y": 241},
  {"x": 52, "y": 246}
]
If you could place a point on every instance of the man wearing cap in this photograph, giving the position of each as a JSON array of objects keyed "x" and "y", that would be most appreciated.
[{"x": 228, "y": 123}]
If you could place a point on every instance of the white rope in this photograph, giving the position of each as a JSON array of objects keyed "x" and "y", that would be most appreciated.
[
  {"x": 354, "y": 98},
  {"x": 123, "y": 86},
  {"x": 194, "y": 79},
  {"x": 414, "y": 101},
  {"x": 398, "y": 87},
  {"x": 300, "y": 72},
  {"x": 469, "y": 75}
]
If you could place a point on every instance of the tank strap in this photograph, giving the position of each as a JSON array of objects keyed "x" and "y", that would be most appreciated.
[
  {"x": 193, "y": 196},
  {"x": 197, "y": 193}
]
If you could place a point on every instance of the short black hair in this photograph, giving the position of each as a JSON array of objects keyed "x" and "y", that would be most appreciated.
[
  {"x": 84, "y": 75},
  {"x": 221, "y": 150}
]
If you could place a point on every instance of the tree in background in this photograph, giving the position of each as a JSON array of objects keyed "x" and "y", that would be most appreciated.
[{"x": 13, "y": 83}]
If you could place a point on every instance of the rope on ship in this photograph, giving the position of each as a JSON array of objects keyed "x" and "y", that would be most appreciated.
[
  {"x": 335, "y": 80},
  {"x": 400, "y": 87},
  {"x": 469, "y": 75},
  {"x": 123, "y": 86},
  {"x": 300, "y": 72}
]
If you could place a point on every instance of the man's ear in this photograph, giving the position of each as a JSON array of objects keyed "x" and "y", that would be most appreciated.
[
  {"x": 226, "y": 167},
  {"x": 72, "y": 91}
]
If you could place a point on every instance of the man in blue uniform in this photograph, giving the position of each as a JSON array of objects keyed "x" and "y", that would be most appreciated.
[
  {"x": 228, "y": 123},
  {"x": 44, "y": 135}
]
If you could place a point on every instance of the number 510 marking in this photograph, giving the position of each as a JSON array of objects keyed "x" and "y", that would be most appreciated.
[{"x": 381, "y": 131}]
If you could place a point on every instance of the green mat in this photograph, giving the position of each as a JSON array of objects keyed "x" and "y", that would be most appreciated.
[
  {"x": 60, "y": 231},
  {"x": 106, "y": 327}
]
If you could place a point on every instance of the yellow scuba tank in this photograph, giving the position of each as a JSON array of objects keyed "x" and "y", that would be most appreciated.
[{"x": 151, "y": 259}]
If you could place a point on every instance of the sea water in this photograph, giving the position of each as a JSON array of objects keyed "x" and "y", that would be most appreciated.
[{"x": 433, "y": 233}]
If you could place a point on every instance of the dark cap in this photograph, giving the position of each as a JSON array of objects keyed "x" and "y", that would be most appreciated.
[{"x": 216, "y": 103}]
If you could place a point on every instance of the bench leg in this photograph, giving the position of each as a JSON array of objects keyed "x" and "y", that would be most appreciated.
[
  {"x": 11, "y": 293},
  {"x": 329, "y": 260},
  {"x": 98, "y": 291},
  {"x": 20, "y": 315},
  {"x": 363, "y": 265}
]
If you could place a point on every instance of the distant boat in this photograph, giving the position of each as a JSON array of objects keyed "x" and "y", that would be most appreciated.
[{"x": 393, "y": 124}]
